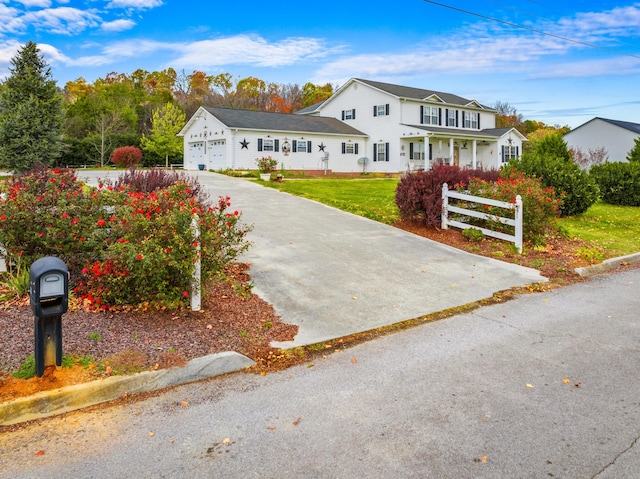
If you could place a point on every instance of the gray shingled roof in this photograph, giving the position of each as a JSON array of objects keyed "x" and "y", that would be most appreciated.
[
  {"x": 627, "y": 125},
  {"x": 416, "y": 93},
  {"x": 260, "y": 120},
  {"x": 487, "y": 132}
]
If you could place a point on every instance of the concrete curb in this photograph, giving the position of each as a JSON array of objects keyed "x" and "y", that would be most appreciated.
[
  {"x": 62, "y": 400},
  {"x": 608, "y": 265}
]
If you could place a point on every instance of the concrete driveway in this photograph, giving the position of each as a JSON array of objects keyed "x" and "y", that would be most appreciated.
[{"x": 334, "y": 273}]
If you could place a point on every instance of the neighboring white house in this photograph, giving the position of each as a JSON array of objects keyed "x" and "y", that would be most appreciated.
[
  {"x": 364, "y": 126},
  {"x": 616, "y": 137}
]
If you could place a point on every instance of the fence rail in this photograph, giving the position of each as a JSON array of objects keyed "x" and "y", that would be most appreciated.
[{"x": 517, "y": 222}]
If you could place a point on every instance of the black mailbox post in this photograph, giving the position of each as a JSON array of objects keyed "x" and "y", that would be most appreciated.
[{"x": 49, "y": 285}]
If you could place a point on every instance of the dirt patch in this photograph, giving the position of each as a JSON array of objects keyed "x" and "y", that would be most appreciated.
[{"x": 556, "y": 260}]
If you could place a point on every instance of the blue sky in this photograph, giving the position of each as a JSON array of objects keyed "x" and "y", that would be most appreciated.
[{"x": 409, "y": 42}]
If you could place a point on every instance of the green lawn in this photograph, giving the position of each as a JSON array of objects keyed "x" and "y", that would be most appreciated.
[
  {"x": 614, "y": 229},
  {"x": 373, "y": 199}
]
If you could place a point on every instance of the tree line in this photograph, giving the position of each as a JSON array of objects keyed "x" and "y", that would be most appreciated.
[{"x": 83, "y": 123}]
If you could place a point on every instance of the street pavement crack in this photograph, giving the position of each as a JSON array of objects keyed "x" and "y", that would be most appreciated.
[{"x": 624, "y": 451}]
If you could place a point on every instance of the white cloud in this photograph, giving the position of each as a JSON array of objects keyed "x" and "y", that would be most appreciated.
[
  {"x": 248, "y": 50},
  {"x": 63, "y": 21},
  {"x": 35, "y": 3},
  {"x": 135, "y": 4},
  {"x": 118, "y": 25},
  {"x": 9, "y": 19}
]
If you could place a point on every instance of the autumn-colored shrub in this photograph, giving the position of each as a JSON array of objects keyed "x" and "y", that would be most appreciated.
[
  {"x": 47, "y": 212},
  {"x": 150, "y": 253},
  {"x": 152, "y": 180},
  {"x": 419, "y": 195},
  {"x": 552, "y": 163},
  {"x": 126, "y": 157},
  {"x": 122, "y": 247},
  {"x": 539, "y": 203}
]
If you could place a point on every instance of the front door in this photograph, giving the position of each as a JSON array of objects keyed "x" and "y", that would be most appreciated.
[{"x": 456, "y": 156}]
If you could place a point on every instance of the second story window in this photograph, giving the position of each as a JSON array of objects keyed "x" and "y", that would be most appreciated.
[
  {"x": 381, "y": 110},
  {"x": 451, "y": 117},
  {"x": 430, "y": 115},
  {"x": 349, "y": 114},
  {"x": 471, "y": 120}
]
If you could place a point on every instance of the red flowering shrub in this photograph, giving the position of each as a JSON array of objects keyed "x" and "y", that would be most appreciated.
[
  {"x": 151, "y": 249},
  {"x": 419, "y": 195},
  {"x": 47, "y": 212},
  {"x": 540, "y": 204},
  {"x": 126, "y": 157},
  {"x": 122, "y": 247}
]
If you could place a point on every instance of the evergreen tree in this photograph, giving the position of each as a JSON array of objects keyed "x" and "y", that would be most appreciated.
[
  {"x": 634, "y": 153},
  {"x": 30, "y": 113}
]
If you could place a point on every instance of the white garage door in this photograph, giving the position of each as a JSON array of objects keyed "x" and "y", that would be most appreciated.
[{"x": 217, "y": 160}]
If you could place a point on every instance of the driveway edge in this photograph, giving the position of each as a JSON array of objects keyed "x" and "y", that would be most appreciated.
[
  {"x": 608, "y": 265},
  {"x": 70, "y": 398}
]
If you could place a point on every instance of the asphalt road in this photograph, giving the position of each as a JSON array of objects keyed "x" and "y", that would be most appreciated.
[{"x": 542, "y": 386}]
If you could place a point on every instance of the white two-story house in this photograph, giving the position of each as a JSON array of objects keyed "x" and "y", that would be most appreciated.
[{"x": 365, "y": 126}]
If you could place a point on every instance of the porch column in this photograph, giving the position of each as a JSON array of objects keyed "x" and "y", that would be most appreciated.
[
  {"x": 427, "y": 148},
  {"x": 450, "y": 151},
  {"x": 473, "y": 154}
]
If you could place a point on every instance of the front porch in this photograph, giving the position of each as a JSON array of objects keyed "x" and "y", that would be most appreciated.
[{"x": 423, "y": 153}]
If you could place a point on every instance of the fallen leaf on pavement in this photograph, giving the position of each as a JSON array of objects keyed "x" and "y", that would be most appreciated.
[
  {"x": 566, "y": 380},
  {"x": 184, "y": 404},
  {"x": 354, "y": 360},
  {"x": 226, "y": 440},
  {"x": 271, "y": 428},
  {"x": 297, "y": 421},
  {"x": 484, "y": 459},
  {"x": 530, "y": 385},
  {"x": 151, "y": 434},
  {"x": 40, "y": 453}
]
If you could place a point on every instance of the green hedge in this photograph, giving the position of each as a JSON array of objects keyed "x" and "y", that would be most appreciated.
[{"x": 619, "y": 183}]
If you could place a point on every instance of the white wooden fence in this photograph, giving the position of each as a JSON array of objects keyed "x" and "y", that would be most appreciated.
[{"x": 517, "y": 222}]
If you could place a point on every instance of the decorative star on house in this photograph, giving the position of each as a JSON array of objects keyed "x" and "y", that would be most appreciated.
[
  {"x": 244, "y": 144},
  {"x": 322, "y": 146}
]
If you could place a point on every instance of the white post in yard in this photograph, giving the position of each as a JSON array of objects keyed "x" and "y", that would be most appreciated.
[
  {"x": 445, "y": 205},
  {"x": 519, "y": 223},
  {"x": 196, "y": 285}
]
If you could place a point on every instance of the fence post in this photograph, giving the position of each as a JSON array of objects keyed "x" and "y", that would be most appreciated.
[
  {"x": 196, "y": 285},
  {"x": 445, "y": 205},
  {"x": 519, "y": 223}
]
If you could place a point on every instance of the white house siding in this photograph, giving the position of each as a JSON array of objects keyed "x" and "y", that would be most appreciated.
[
  {"x": 209, "y": 142},
  {"x": 384, "y": 129},
  {"x": 598, "y": 133},
  {"x": 355, "y": 105},
  {"x": 388, "y": 130},
  {"x": 309, "y": 159}
]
